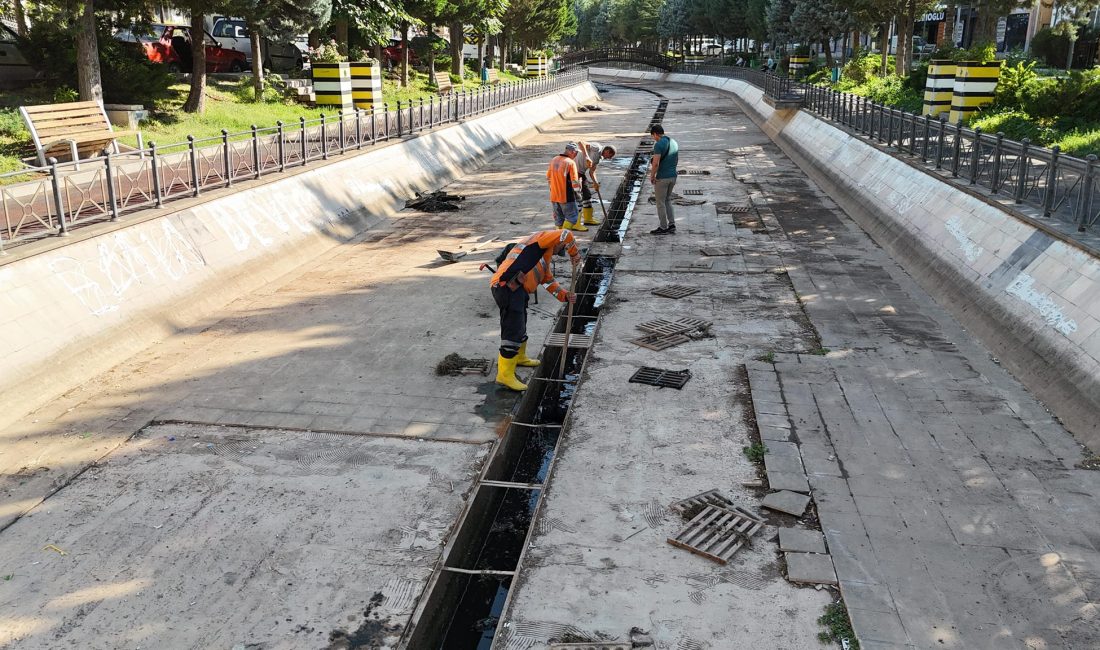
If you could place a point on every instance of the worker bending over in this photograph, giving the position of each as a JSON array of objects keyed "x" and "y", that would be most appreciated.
[
  {"x": 565, "y": 186},
  {"x": 589, "y": 155},
  {"x": 520, "y": 274}
]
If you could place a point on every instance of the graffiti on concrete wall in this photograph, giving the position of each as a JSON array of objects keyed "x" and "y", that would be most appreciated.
[
  {"x": 124, "y": 261},
  {"x": 970, "y": 249},
  {"x": 1023, "y": 287}
]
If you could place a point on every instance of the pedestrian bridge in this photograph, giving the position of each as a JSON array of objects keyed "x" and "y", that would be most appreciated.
[{"x": 620, "y": 54}]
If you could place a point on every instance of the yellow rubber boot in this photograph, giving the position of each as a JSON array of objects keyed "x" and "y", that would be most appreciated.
[
  {"x": 578, "y": 226},
  {"x": 589, "y": 218},
  {"x": 506, "y": 374},
  {"x": 523, "y": 360}
]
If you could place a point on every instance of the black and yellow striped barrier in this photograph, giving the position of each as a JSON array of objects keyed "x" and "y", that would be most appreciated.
[
  {"x": 799, "y": 66},
  {"x": 975, "y": 87},
  {"x": 537, "y": 66},
  {"x": 332, "y": 84},
  {"x": 366, "y": 85},
  {"x": 939, "y": 87}
]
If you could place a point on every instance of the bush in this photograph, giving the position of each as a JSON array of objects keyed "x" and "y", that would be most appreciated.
[
  {"x": 128, "y": 76},
  {"x": 918, "y": 78},
  {"x": 892, "y": 91},
  {"x": 443, "y": 62},
  {"x": 1016, "y": 125},
  {"x": 1012, "y": 82},
  {"x": 1081, "y": 142},
  {"x": 327, "y": 53},
  {"x": 861, "y": 68},
  {"x": 1075, "y": 97}
]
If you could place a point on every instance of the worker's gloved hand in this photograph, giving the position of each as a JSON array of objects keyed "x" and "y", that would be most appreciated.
[
  {"x": 570, "y": 297},
  {"x": 595, "y": 186}
]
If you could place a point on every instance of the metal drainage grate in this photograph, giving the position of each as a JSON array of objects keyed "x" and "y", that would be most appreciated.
[
  {"x": 729, "y": 208},
  {"x": 716, "y": 534},
  {"x": 474, "y": 367},
  {"x": 693, "y": 172},
  {"x": 661, "y": 378},
  {"x": 710, "y": 498},
  {"x": 660, "y": 342},
  {"x": 557, "y": 339},
  {"x": 675, "y": 291},
  {"x": 693, "y": 192},
  {"x": 679, "y": 326},
  {"x": 591, "y": 645}
]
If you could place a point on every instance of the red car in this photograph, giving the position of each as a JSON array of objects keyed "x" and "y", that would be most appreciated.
[
  {"x": 394, "y": 52},
  {"x": 171, "y": 45}
]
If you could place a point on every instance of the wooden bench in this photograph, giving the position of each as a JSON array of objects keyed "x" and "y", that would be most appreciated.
[
  {"x": 493, "y": 77},
  {"x": 70, "y": 129},
  {"x": 443, "y": 82}
]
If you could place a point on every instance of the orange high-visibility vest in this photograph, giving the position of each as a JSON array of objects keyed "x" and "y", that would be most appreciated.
[
  {"x": 533, "y": 269},
  {"x": 565, "y": 184}
]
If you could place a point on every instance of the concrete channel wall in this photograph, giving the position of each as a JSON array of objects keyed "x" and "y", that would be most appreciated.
[
  {"x": 1031, "y": 296},
  {"x": 72, "y": 308}
]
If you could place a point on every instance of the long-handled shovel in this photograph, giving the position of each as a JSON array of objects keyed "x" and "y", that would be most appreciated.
[
  {"x": 604, "y": 209},
  {"x": 568, "y": 320}
]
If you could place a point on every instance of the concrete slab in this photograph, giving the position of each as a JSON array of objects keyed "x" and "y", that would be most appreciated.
[
  {"x": 788, "y": 481},
  {"x": 787, "y": 502},
  {"x": 810, "y": 568},
  {"x": 203, "y": 536},
  {"x": 801, "y": 540}
]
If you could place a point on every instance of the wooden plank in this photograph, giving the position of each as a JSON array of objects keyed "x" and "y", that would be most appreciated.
[
  {"x": 47, "y": 108},
  {"x": 60, "y": 122}
]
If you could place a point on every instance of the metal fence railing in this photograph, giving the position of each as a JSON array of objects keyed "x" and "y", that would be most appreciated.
[
  {"x": 1062, "y": 187},
  {"x": 55, "y": 198}
]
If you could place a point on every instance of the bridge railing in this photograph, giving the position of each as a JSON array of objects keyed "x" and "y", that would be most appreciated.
[
  {"x": 1059, "y": 187},
  {"x": 49, "y": 201}
]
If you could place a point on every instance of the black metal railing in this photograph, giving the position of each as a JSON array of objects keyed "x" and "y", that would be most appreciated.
[{"x": 60, "y": 196}]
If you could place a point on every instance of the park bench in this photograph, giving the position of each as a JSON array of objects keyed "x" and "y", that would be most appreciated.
[
  {"x": 443, "y": 82},
  {"x": 492, "y": 77},
  {"x": 75, "y": 128}
]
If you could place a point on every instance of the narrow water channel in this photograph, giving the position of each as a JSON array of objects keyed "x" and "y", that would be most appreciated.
[{"x": 463, "y": 609}]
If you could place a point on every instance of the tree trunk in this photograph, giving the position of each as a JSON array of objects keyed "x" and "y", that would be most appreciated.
[
  {"x": 480, "y": 55},
  {"x": 828, "y": 50},
  {"x": 904, "y": 61},
  {"x": 405, "y": 54},
  {"x": 88, "y": 79},
  {"x": 884, "y": 44},
  {"x": 456, "y": 48},
  {"x": 431, "y": 50},
  {"x": 341, "y": 35},
  {"x": 257, "y": 63},
  {"x": 1069, "y": 55},
  {"x": 378, "y": 53},
  {"x": 196, "y": 96},
  {"x": 855, "y": 43},
  {"x": 502, "y": 40},
  {"x": 20, "y": 19},
  {"x": 985, "y": 29}
]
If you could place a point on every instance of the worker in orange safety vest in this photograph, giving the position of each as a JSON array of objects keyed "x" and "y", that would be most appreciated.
[
  {"x": 565, "y": 188},
  {"x": 526, "y": 266}
]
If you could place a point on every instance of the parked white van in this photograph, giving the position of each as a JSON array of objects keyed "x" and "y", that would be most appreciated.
[{"x": 232, "y": 34}]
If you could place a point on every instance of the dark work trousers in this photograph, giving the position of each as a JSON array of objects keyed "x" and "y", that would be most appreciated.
[
  {"x": 586, "y": 192},
  {"x": 513, "y": 319}
]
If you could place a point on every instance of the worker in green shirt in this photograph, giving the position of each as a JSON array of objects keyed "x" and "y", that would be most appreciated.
[{"x": 662, "y": 174}]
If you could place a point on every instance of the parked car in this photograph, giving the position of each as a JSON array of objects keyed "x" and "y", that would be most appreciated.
[
  {"x": 14, "y": 69},
  {"x": 233, "y": 34},
  {"x": 393, "y": 53},
  {"x": 171, "y": 45}
]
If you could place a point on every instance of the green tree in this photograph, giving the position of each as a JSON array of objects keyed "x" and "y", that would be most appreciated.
[
  {"x": 818, "y": 21},
  {"x": 277, "y": 19}
]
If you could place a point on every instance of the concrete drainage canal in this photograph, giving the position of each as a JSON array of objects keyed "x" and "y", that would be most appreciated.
[{"x": 464, "y": 600}]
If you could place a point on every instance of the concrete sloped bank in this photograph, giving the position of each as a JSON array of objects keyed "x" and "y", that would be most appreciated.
[
  {"x": 1033, "y": 299},
  {"x": 72, "y": 308}
]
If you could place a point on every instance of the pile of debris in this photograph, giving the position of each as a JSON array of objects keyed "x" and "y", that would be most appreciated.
[{"x": 438, "y": 201}]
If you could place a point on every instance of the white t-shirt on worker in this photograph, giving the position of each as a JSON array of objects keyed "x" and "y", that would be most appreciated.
[{"x": 589, "y": 153}]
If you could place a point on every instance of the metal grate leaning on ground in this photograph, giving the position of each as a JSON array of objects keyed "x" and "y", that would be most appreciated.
[{"x": 61, "y": 196}]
